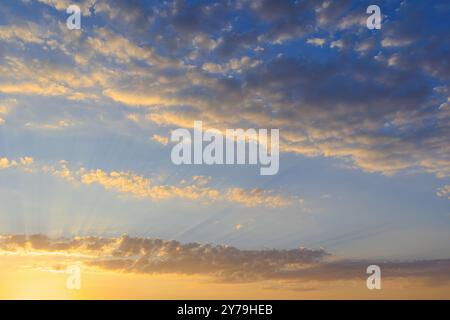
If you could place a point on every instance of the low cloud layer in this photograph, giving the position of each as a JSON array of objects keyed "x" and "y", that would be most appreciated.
[{"x": 223, "y": 263}]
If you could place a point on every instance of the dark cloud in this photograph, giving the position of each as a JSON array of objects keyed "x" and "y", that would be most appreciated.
[
  {"x": 135, "y": 13},
  {"x": 202, "y": 16},
  {"x": 416, "y": 42},
  {"x": 44, "y": 243},
  {"x": 144, "y": 255},
  {"x": 232, "y": 41}
]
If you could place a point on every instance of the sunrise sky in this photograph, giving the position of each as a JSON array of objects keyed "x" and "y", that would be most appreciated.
[{"x": 86, "y": 176}]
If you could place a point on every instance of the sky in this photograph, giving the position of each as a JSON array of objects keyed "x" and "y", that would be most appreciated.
[{"x": 85, "y": 153}]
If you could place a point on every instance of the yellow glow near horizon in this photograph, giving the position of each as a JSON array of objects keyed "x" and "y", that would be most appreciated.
[{"x": 25, "y": 277}]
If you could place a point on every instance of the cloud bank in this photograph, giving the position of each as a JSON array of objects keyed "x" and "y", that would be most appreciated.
[{"x": 222, "y": 263}]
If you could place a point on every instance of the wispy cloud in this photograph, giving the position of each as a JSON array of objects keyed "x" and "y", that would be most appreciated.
[
  {"x": 128, "y": 183},
  {"x": 444, "y": 191}
]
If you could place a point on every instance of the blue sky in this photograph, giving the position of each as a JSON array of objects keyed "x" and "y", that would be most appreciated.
[{"x": 363, "y": 118}]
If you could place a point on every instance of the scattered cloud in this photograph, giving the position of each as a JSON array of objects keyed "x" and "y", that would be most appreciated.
[
  {"x": 319, "y": 108},
  {"x": 24, "y": 163},
  {"x": 319, "y": 42},
  {"x": 128, "y": 183},
  {"x": 444, "y": 192},
  {"x": 160, "y": 139},
  {"x": 27, "y": 33}
]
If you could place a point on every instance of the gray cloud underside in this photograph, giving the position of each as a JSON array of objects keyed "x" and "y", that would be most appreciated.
[
  {"x": 381, "y": 100},
  {"x": 223, "y": 263}
]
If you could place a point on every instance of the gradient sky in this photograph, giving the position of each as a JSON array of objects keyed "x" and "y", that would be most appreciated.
[{"x": 85, "y": 118}]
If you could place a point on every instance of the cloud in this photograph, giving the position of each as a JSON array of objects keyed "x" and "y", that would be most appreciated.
[
  {"x": 444, "y": 192},
  {"x": 234, "y": 65},
  {"x": 33, "y": 89},
  {"x": 203, "y": 41},
  {"x": 62, "y": 5},
  {"x": 127, "y": 183},
  {"x": 171, "y": 119},
  {"x": 141, "y": 187},
  {"x": 337, "y": 44},
  {"x": 160, "y": 139},
  {"x": 4, "y": 163},
  {"x": 5, "y": 109},
  {"x": 28, "y": 33},
  {"x": 430, "y": 47},
  {"x": 139, "y": 99},
  {"x": 153, "y": 256},
  {"x": 379, "y": 115},
  {"x": 110, "y": 44},
  {"x": 319, "y": 115},
  {"x": 258, "y": 197},
  {"x": 223, "y": 263},
  {"x": 316, "y": 41},
  {"x": 389, "y": 42},
  {"x": 23, "y": 163},
  {"x": 44, "y": 78},
  {"x": 213, "y": 67}
]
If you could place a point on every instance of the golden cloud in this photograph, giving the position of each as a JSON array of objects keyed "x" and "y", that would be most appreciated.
[{"x": 134, "y": 185}]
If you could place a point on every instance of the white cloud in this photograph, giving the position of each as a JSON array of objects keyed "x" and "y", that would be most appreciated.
[
  {"x": 316, "y": 41},
  {"x": 444, "y": 192}
]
